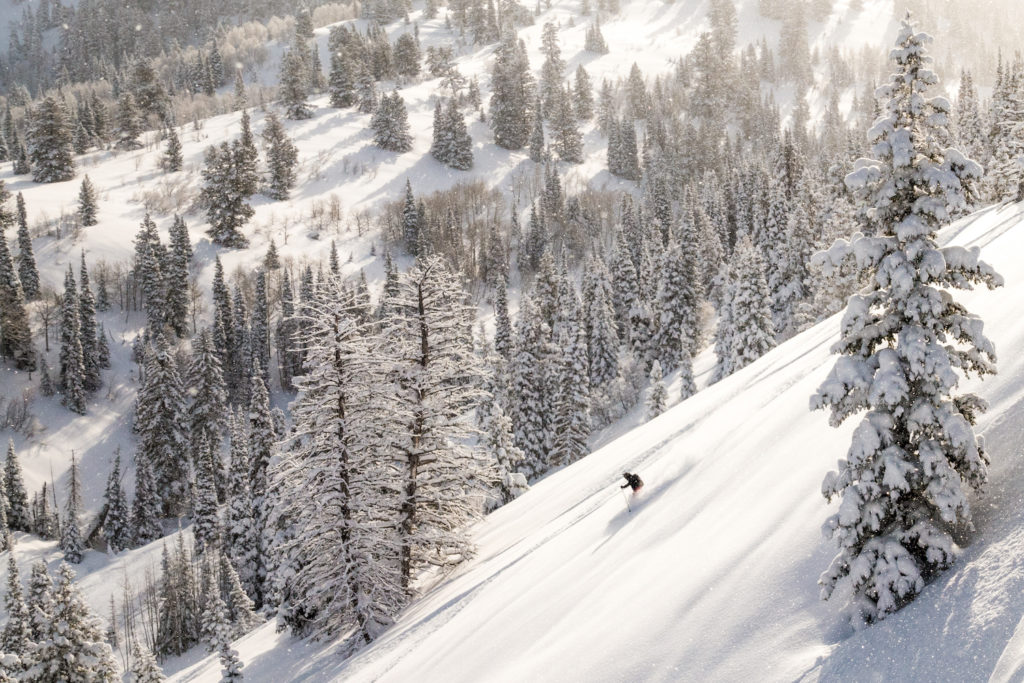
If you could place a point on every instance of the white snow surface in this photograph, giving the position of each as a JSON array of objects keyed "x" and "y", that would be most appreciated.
[{"x": 712, "y": 575}]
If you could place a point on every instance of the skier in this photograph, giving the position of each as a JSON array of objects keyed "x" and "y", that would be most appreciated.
[{"x": 634, "y": 481}]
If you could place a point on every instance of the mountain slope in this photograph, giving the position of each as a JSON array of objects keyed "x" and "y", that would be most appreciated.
[{"x": 712, "y": 575}]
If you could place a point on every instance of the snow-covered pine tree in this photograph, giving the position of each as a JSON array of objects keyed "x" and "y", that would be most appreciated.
[
  {"x": 239, "y": 526},
  {"x": 390, "y": 124},
  {"x": 129, "y": 122},
  {"x": 206, "y": 527},
  {"x": 172, "y": 159},
  {"x": 752, "y": 333},
  {"x": 678, "y": 306},
  {"x": 259, "y": 328},
  {"x": 16, "y": 637},
  {"x": 116, "y": 524},
  {"x": 452, "y": 144},
  {"x": 72, "y": 365},
  {"x": 511, "y": 93},
  {"x": 28, "y": 274},
  {"x": 499, "y": 442},
  {"x": 87, "y": 203},
  {"x": 552, "y": 70},
  {"x": 145, "y": 517},
  {"x": 341, "y": 82},
  {"x": 40, "y": 601},
  {"x": 538, "y": 147},
  {"x": 241, "y": 609},
  {"x": 599, "y": 321},
  {"x": 657, "y": 396},
  {"x": 179, "y": 617},
  {"x": 902, "y": 341},
  {"x": 294, "y": 85},
  {"x": 160, "y": 421},
  {"x": 226, "y": 208},
  {"x": 724, "y": 330},
  {"x": 246, "y": 158},
  {"x": 583, "y": 95},
  {"x": 571, "y": 424},
  {"x": 88, "y": 332},
  {"x": 71, "y": 541},
  {"x": 502, "y": 322},
  {"x": 50, "y": 142},
  {"x": 439, "y": 375},
  {"x": 18, "y": 512},
  {"x": 687, "y": 387},
  {"x": 528, "y": 392},
  {"x": 261, "y": 447},
  {"x": 338, "y": 562},
  {"x": 73, "y": 649},
  {"x": 282, "y": 157},
  {"x": 144, "y": 668},
  {"x": 207, "y": 410},
  {"x": 176, "y": 278},
  {"x": 15, "y": 332},
  {"x": 567, "y": 140}
]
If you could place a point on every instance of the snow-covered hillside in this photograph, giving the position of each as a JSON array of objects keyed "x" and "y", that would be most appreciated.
[{"x": 712, "y": 576}]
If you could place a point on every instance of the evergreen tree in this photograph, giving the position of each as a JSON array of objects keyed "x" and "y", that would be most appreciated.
[
  {"x": 87, "y": 203},
  {"x": 567, "y": 140},
  {"x": 176, "y": 278},
  {"x": 572, "y": 412},
  {"x": 15, "y": 333},
  {"x": 72, "y": 364},
  {"x": 538, "y": 146},
  {"x": 71, "y": 541},
  {"x": 246, "y": 157},
  {"x": 144, "y": 668},
  {"x": 452, "y": 144},
  {"x": 261, "y": 446},
  {"x": 657, "y": 398},
  {"x": 74, "y": 649},
  {"x": 282, "y": 157},
  {"x": 341, "y": 82},
  {"x": 207, "y": 411},
  {"x": 390, "y": 124},
  {"x": 687, "y": 387},
  {"x": 116, "y": 525},
  {"x": 502, "y": 323},
  {"x": 16, "y": 637},
  {"x": 172, "y": 159},
  {"x": 40, "y": 601},
  {"x": 753, "y": 334},
  {"x": 583, "y": 95},
  {"x": 226, "y": 208},
  {"x": 51, "y": 150},
  {"x": 511, "y": 94},
  {"x": 88, "y": 332},
  {"x": 145, "y": 519},
  {"x": 240, "y": 525},
  {"x": 27, "y": 272},
  {"x": 552, "y": 70},
  {"x": 407, "y": 56},
  {"x": 499, "y": 442},
  {"x": 129, "y": 122},
  {"x": 902, "y": 340},
  {"x": 294, "y": 83},
  {"x": 205, "y": 517},
  {"x": 18, "y": 512},
  {"x": 679, "y": 296},
  {"x": 602, "y": 338},
  {"x": 160, "y": 421}
]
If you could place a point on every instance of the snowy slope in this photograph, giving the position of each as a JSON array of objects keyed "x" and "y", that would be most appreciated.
[{"x": 713, "y": 574}]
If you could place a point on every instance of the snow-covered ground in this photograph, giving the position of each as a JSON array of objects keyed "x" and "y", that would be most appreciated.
[{"x": 712, "y": 576}]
